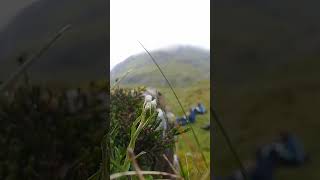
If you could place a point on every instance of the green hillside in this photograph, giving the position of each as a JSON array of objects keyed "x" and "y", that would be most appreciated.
[
  {"x": 255, "y": 113},
  {"x": 266, "y": 79},
  {"x": 183, "y": 65},
  {"x": 189, "y": 97}
]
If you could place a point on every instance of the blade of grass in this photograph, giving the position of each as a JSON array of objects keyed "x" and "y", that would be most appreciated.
[
  {"x": 96, "y": 176},
  {"x": 206, "y": 176},
  {"x": 184, "y": 112},
  {"x": 194, "y": 162},
  {"x": 121, "y": 78},
  {"x": 28, "y": 62},
  {"x": 132, "y": 173},
  {"x": 135, "y": 164},
  {"x": 225, "y": 134},
  {"x": 181, "y": 169},
  {"x": 135, "y": 132},
  {"x": 188, "y": 173},
  {"x": 171, "y": 166}
]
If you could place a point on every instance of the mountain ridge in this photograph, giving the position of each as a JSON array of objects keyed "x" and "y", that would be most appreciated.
[{"x": 183, "y": 64}]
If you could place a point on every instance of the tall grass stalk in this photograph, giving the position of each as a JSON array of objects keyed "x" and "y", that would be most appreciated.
[
  {"x": 142, "y": 121},
  {"x": 184, "y": 112},
  {"x": 170, "y": 164},
  {"x": 121, "y": 78},
  {"x": 135, "y": 164},
  {"x": 27, "y": 63},
  {"x": 225, "y": 134},
  {"x": 134, "y": 173},
  {"x": 187, "y": 163}
]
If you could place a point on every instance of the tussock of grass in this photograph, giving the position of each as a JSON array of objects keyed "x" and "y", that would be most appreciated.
[{"x": 133, "y": 127}]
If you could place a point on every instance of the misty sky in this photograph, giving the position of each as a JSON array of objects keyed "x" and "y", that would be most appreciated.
[
  {"x": 157, "y": 24},
  {"x": 10, "y": 8}
]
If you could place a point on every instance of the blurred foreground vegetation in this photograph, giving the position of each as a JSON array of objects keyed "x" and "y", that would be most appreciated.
[{"x": 48, "y": 134}]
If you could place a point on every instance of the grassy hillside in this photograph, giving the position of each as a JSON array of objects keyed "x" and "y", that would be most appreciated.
[
  {"x": 255, "y": 113},
  {"x": 189, "y": 97},
  {"x": 183, "y": 65},
  {"x": 266, "y": 78}
]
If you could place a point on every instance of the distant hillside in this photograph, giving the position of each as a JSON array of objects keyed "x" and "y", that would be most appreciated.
[
  {"x": 80, "y": 54},
  {"x": 252, "y": 38},
  {"x": 183, "y": 65}
]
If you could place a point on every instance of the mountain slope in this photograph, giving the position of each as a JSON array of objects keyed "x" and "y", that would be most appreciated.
[
  {"x": 183, "y": 65},
  {"x": 79, "y": 55},
  {"x": 254, "y": 37},
  {"x": 266, "y": 72}
]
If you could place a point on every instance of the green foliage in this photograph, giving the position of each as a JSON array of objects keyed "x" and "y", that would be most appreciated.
[
  {"x": 128, "y": 119},
  {"x": 39, "y": 140},
  {"x": 190, "y": 97},
  {"x": 134, "y": 127}
]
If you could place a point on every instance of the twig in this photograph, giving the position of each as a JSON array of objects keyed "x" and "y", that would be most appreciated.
[
  {"x": 119, "y": 80},
  {"x": 170, "y": 164},
  {"x": 135, "y": 164},
  {"x": 132, "y": 173}
]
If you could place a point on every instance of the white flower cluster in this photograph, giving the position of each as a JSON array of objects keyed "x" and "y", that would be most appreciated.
[
  {"x": 163, "y": 122},
  {"x": 171, "y": 117},
  {"x": 149, "y": 103}
]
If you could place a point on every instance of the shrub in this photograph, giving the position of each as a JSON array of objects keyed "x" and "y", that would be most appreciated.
[{"x": 126, "y": 109}]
